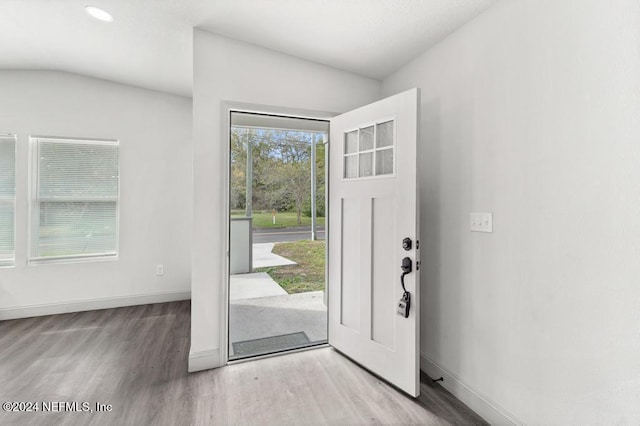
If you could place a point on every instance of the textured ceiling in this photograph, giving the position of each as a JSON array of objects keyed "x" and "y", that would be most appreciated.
[{"x": 150, "y": 42}]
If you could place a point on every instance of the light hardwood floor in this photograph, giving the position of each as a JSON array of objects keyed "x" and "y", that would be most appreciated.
[{"x": 135, "y": 358}]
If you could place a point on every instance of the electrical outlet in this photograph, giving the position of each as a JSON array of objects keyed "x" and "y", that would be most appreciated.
[
  {"x": 159, "y": 269},
  {"x": 481, "y": 222}
]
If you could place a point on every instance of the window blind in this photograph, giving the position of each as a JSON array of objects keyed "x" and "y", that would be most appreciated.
[
  {"x": 7, "y": 199},
  {"x": 75, "y": 208}
]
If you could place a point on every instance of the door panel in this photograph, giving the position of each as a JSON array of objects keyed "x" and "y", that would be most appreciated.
[
  {"x": 350, "y": 290},
  {"x": 373, "y": 207},
  {"x": 382, "y": 313}
]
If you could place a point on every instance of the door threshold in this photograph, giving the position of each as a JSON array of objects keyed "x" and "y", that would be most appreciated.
[{"x": 279, "y": 353}]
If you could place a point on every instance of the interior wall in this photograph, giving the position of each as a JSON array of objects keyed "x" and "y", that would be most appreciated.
[
  {"x": 229, "y": 70},
  {"x": 154, "y": 130},
  {"x": 531, "y": 112}
]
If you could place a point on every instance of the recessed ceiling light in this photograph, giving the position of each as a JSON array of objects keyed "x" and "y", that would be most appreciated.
[{"x": 99, "y": 14}]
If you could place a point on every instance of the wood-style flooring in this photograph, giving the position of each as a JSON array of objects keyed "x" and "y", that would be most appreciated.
[{"x": 135, "y": 358}]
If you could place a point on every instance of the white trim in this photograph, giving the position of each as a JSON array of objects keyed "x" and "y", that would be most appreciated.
[
  {"x": 83, "y": 141},
  {"x": 92, "y": 304},
  {"x": 205, "y": 360},
  {"x": 278, "y": 122},
  {"x": 280, "y": 353},
  {"x": 481, "y": 404},
  {"x": 278, "y": 111},
  {"x": 226, "y": 108},
  {"x": 73, "y": 259}
]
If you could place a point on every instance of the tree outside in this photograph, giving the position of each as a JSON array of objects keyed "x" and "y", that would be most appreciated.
[{"x": 281, "y": 172}]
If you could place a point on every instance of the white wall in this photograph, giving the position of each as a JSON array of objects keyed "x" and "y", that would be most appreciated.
[
  {"x": 228, "y": 70},
  {"x": 154, "y": 130},
  {"x": 531, "y": 112}
]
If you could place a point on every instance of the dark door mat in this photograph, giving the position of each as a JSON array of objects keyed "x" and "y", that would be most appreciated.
[{"x": 267, "y": 345}]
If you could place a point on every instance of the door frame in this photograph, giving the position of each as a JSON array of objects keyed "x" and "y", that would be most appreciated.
[{"x": 227, "y": 107}]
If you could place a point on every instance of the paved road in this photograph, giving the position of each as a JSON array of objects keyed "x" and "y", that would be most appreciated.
[{"x": 285, "y": 235}]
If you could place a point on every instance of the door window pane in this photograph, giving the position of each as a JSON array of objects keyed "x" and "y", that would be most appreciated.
[
  {"x": 384, "y": 162},
  {"x": 351, "y": 142},
  {"x": 366, "y": 164},
  {"x": 351, "y": 166},
  {"x": 384, "y": 134},
  {"x": 366, "y": 139},
  {"x": 368, "y": 151}
]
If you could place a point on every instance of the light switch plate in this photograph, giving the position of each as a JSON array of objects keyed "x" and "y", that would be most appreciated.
[{"x": 481, "y": 222}]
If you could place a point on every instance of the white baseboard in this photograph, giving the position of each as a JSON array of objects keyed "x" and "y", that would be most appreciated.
[
  {"x": 205, "y": 360},
  {"x": 483, "y": 406},
  {"x": 92, "y": 304}
]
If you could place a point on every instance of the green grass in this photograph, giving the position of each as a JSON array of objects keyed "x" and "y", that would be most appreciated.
[
  {"x": 308, "y": 274},
  {"x": 283, "y": 220}
]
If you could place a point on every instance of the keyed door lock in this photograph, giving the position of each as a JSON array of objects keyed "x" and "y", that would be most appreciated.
[
  {"x": 404, "y": 305},
  {"x": 406, "y": 266},
  {"x": 406, "y": 244}
]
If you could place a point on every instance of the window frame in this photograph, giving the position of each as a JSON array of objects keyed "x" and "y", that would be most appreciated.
[
  {"x": 374, "y": 150},
  {"x": 9, "y": 263},
  {"x": 34, "y": 203}
]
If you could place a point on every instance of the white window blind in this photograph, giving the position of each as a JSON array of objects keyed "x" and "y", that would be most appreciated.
[
  {"x": 7, "y": 199},
  {"x": 76, "y": 195}
]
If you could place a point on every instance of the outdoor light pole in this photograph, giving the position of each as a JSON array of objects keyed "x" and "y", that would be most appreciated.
[
  {"x": 249, "y": 176},
  {"x": 313, "y": 187}
]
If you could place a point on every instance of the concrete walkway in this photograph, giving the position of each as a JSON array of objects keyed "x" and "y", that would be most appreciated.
[
  {"x": 258, "y": 284},
  {"x": 261, "y": 308},
  {"x": 252, "y": 286},
  {"x": 264, "y": 258}
]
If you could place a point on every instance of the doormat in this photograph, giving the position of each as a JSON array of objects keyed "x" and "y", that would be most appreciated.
[{"x": 267, "y": 345}]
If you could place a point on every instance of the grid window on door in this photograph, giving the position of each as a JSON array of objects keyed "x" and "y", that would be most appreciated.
[
  {"x": 369, "y": 151},
  {"x": 74, "y": 211}
]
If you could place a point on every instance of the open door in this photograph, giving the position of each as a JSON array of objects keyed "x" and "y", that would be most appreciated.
[{"x": 373, "y": 232}]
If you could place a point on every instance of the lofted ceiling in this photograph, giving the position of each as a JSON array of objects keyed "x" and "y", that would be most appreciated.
[{"x": 149, "y": 44}]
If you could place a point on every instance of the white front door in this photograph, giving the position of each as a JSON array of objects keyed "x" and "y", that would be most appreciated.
[{"x": 373, "y": 209}]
